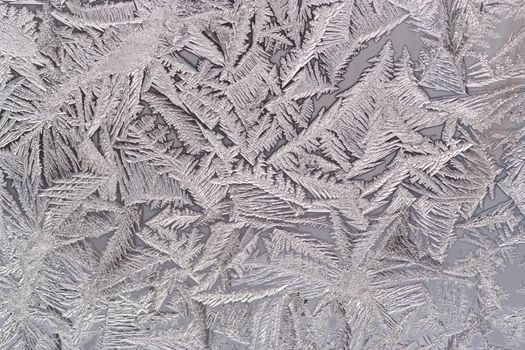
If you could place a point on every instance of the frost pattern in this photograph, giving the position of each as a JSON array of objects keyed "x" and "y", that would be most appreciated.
[{"x": 262, "y": 174}]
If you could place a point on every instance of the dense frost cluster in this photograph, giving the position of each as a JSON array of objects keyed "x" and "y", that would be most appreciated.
[{"x": 262, "y": 174}]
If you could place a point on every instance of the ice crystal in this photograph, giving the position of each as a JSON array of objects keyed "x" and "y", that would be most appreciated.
[{"x": 262, "y": 174}]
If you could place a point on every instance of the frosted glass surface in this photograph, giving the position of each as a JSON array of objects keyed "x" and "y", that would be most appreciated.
[{"x": 265, "y": 174}]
